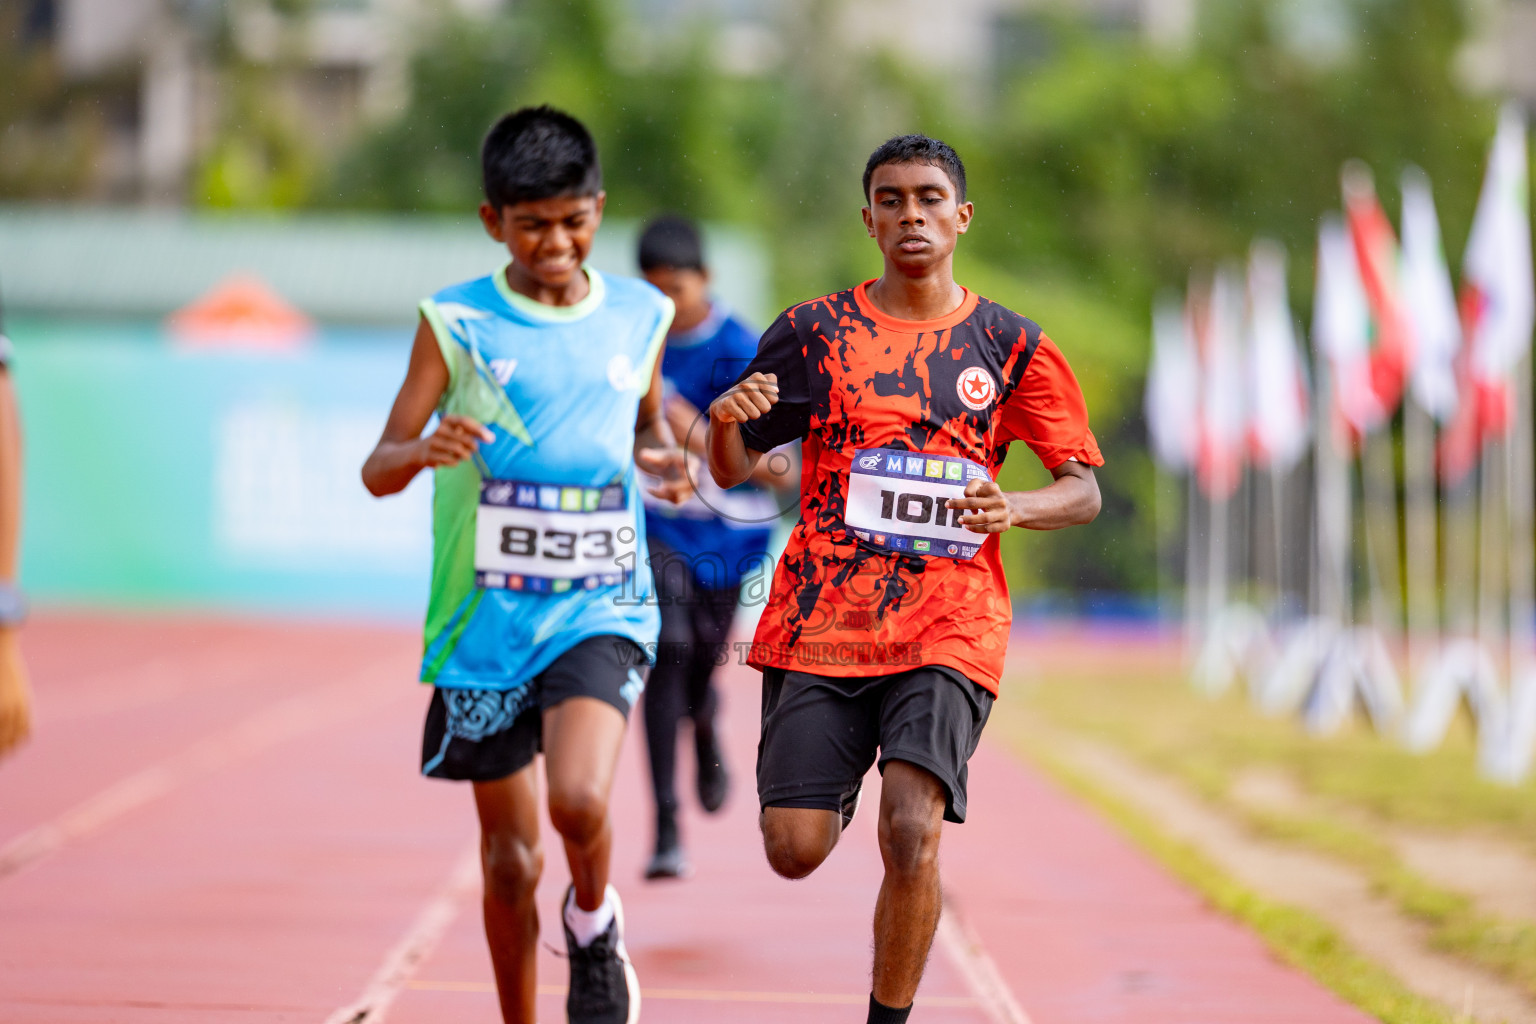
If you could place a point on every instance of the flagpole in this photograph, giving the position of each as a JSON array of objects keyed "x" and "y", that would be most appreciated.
[
  {"x": 1419, "y": 494},
  {"x": 1335, "y": 597},
  {"x": 1378, "y": 479},
  {"x": 1217, "y": 575},
  {"x": 1491, "y": 571},
  {"x": 1339, "y": 337},
  {"x": 1508, "y": 758},
  {"x": 1164, "y": 497},
  {"x": 1430, "y": 301},
  {"x": 1460, "y": 556},
  {"x": 1522, "y": 585},
  {"x": 1195, "y": 550},
  {"x": 1277, "y": 520},
  {"x": 1244, "y": 576}
]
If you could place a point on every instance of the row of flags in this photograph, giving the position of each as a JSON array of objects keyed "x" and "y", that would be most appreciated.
[
  {"x": 1232, "y": 344},
  {"x": 1387, "y": 321},
  {"x": 1450, "y": 580}
]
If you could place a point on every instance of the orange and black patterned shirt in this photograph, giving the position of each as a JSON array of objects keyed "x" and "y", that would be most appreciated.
[{"x": 850, "y": 377}]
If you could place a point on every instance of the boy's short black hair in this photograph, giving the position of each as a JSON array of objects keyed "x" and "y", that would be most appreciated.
[
  {"x": 538, "y": 153},
  {"x": 917, "y": 149},
  {"x": 673, "y": 242}
]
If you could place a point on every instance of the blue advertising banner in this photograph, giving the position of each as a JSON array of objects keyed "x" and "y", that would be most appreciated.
[{"x": 168, "y": 478}]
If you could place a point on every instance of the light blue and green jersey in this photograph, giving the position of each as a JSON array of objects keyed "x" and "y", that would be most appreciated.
[{"x": 559, "y": 387}]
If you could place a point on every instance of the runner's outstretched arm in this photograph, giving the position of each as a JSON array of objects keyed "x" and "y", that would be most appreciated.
[
  {"x": 1072, "y": 499},
  {"x": 730, "y": 460},
  {"x": 402, "y": 452}
]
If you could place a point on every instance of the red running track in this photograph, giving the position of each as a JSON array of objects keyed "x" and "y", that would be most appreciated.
[{"x": 222, "y": 822}]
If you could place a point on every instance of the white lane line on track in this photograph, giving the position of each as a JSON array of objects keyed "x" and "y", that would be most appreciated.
[
  {"x": 275, "y": 724},
  {"x": 706, "y": 995},
  {"x": 963, "y": 947},
  {"x": 416, "y": 945}
]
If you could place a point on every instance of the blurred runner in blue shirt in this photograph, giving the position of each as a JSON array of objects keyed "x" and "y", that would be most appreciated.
[{"x": 702, "y": 551}]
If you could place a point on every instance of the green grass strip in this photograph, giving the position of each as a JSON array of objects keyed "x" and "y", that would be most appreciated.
[
  {"x": 1505, "y": 948},
  {"x": 1295, "y": 936}
]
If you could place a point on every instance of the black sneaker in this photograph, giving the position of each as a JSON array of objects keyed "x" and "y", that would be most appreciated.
[
  {"x": 850, "y": 803},
  {"x": 714, "y": 781},
  {"x": 604, "y": 989}
]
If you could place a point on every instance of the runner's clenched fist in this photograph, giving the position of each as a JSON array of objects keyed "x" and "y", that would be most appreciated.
[
  {"x": 747, "y": 400},
  {"x": 453, "y": 441}
]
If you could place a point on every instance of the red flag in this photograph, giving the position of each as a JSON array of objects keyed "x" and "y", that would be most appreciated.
[
  {"x": 1376, "y": 254},
  {"x": 1341, "y": 330}
]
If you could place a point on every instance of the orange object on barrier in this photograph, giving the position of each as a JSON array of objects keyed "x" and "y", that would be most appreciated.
[{"x": 243, "y": 312}]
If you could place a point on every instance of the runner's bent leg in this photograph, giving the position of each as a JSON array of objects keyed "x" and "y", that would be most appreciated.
[
  {"x": 817, "y": 742},
  {"x": 798, "y": 839},
  {"x": 511, "y": 859},
  {"x": 582, "y": 736},
  {"x": 907, "y": 910}
]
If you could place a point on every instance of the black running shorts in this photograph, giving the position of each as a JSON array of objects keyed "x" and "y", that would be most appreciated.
[
  {"x": 483, "y": 735},
  {"x": 821, "y": 733}
]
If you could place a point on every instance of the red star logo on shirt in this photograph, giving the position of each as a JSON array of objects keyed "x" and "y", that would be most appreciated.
[{"x": 976, "y": 388}]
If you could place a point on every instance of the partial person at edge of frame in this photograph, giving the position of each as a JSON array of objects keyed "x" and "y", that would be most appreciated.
[{"x": 15, "y": 690}]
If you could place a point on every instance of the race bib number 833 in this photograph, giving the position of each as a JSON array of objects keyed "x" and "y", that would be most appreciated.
[{"x": 548, "y": 538}]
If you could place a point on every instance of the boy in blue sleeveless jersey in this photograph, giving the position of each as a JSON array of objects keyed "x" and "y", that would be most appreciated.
[
  {"x": 701, "y": 551},
  {"x": 546, "y": 381}
]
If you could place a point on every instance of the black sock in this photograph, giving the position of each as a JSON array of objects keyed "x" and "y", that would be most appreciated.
[{"x": 879, "y": 1013}]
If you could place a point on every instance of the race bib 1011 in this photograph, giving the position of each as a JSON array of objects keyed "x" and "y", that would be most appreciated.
[
  {"x": 550, "y": 539},
  {"x": 896, "y": 502}
]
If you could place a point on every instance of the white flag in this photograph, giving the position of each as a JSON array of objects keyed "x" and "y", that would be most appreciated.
[
  {"x": 1341, "y": 326},
  {"x": 1497, "y": 270},
  {"x": 1173, "y": 387},
  {"x": 1277, "y": 382},
  {"x": 1431, "y": 300},
  {"x": 1223, "y": 398}
]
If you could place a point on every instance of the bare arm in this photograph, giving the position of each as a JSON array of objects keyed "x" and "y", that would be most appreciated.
[
  {"x": 1071, "y": 499},
  {"x": 402, "y": 452},
  {"x": 652, "y": 430},
  {"x": 691, "y": 425},
  {"x": 684, "y": 419},
  {"x": 15, "y": 691},
  {"x": 777, "y": 470},
  {"x": 656, "y": 449},
  {"x": 730, "y": 460}
]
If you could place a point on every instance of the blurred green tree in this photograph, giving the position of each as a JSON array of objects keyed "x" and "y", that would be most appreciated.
[
  {"x": 1102, "y": 170},
  {"x": 52, "y": 131}
]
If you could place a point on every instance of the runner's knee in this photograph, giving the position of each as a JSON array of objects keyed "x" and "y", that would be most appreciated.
[
  {"x": 511, "y": 866},
  {"x": 794, "y": 850},
  {"x": 909, "y": 838},
  {"x": 577, "y": 811}
]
